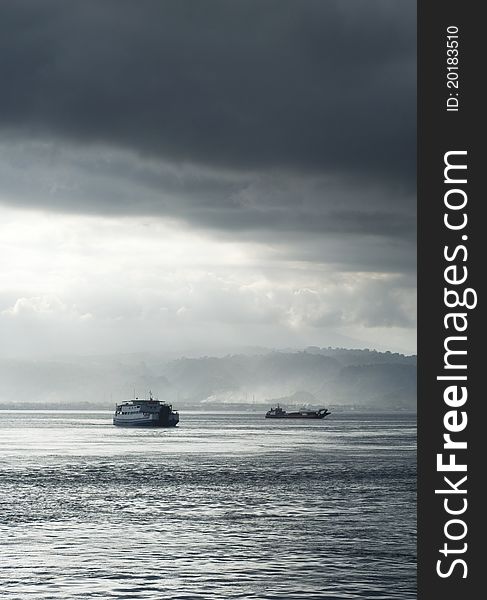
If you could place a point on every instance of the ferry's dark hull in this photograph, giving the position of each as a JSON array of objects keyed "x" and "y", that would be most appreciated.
[{"x": 146, "y": 424}]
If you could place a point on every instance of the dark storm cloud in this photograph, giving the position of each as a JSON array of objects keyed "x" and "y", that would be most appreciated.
[
  {"x": 310, "y": 86},
  {"x": 348, "y": 222}
]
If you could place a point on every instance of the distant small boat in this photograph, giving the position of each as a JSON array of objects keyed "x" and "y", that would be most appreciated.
[
  {"x": 148, "y": 413},
  {"x": 279, "y": 413}
]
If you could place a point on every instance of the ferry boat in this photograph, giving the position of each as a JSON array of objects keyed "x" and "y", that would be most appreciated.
[
  {"x": 279, "y": 413},
  {"x": 148, "y": 413}
]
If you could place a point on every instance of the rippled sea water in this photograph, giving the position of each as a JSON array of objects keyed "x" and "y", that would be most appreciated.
[{"x": 223, "y": 506}]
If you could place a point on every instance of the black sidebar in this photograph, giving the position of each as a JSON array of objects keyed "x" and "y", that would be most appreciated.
[{"x": 452, "y": 444}]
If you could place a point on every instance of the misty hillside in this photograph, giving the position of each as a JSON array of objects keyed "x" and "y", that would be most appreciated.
[{"x": 358, "y": 378}]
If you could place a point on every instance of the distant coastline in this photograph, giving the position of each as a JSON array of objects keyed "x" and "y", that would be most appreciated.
[{"x": 213, "y": 408}]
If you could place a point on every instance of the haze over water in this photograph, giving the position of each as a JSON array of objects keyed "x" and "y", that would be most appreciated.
[{"x": 223, "y": 506}]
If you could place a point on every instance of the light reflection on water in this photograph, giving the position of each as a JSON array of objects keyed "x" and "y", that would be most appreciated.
[{"x": 224, "y": 506}]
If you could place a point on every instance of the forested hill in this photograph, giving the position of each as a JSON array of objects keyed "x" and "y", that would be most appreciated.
[{"x": 315, "y": 376}]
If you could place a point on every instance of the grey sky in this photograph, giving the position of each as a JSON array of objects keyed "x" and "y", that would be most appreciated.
[{"x": 249, "y": 164}]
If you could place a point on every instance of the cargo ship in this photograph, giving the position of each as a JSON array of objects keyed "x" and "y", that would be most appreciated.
[
  {"x": 280, "y": 413},
  {"x": 149, "y": 412}
]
